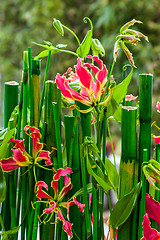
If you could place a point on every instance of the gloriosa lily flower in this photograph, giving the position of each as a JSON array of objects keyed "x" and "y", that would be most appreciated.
[
  {"x": 158, "y": 106},
  {"x": 152, "y": 209},
  {"x": 92, "y": 86},
  {"x": 55, "y": 204},
  {"x": 20, "y": 157},
  {"x": 128, "y": 36}
]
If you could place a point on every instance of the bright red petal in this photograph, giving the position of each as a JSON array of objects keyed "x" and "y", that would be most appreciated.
[
  {"x": 19, "y": 144},
  {"x": 68, "y": 92},
  {"x": 148, "y": 232},
  {"x": 66, "y": 225},
  {"x": 152, "y": 208},
  {"x": 21, "y": 159},
  {"x": 54, "y": 185},
  {"x": 40, "y": 193},
  {"x": 62, "y": 172},
  {"x": 52, "y": 208},
  {"x": 80, "y": 205},
  {"x": 158, "y": 106},
  {"x": 157, "y": 139},
  {"x": 67, "y": 187},
  {"x": 44, "y": 155},
  {"x": 84, "y": 75},
  {"x": 8, "y": 164}
]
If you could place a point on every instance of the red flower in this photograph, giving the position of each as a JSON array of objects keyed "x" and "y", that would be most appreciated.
[
  {"x": 20, "y": 157},
  {"x": 91, "y": 85},
  {"x": 152, "y": 209},
  {"x": 158, "y": 106},
  {"x": 55, "y": 203}
]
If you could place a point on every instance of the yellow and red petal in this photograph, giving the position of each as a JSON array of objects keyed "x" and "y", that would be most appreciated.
[
  {"x": 80, "y": 205},
  {"x": 20, "y": 158},
  {"x": 85, "y": 77},
  {"x": 68, "y": 92},
  {"x": 152, "y": 208},
  {"x": 9, "y": 164},
  {"x": 54, "y": 185},
  {"x": 67, "y": 187},
  {"x": 52, "y": 208},
  {"x": 66, "y": 225},
  {"x": 148, "y": 232},
  {"x": 40, "y": 193},
  {"x": 19, "y": 144},
  {"x": 62, "y": 172},
  {"x": 44, "y": 155}
]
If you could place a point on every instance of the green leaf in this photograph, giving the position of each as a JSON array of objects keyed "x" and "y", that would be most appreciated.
[
  {"x": 118, "y": 94},
  {"x": 5, "y": 146},
  {"x": 112, "y": 173},
  {"x": 124, "y": 207},
  {"x": 2, "y": 133},
  {"x": 99, "y": 176},
  {"x": 2, "y": 187},
  {"x": 5, "y": 234},
  {"x": 85, "y": 46},
  {"x": 58, "y": 26},
  {"x": 97, "y": 47},
  {"x": 50, "y": 47}
]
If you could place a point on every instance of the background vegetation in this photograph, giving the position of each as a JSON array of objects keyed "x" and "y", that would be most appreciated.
[{"x": 25, "y": 22}]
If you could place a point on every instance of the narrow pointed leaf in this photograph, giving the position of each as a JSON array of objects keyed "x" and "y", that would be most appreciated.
[
  {"x": 2, "y": 187},
  {"x": 124, "y": 207},
  {"x": 5, "y": 146},
  {"x": 84, "y": 48}
]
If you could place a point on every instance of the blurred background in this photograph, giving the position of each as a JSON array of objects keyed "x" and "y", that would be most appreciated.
[{"x": 25, "y": 22}]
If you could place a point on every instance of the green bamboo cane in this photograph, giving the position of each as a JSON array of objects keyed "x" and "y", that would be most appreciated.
[
  {"x": 43, "y": 89},
  {"x": 36, "y": 68},
  {"x": 20, "y": 112},
  {"x": 30, "y": 92},
  {"x": 142, "y": 199},
  {"x": 71, "y": 138},
  {"x": 10, "y": 101},
  {"x": 145, "y": 112},
  {"x": 128, "y": 159}
]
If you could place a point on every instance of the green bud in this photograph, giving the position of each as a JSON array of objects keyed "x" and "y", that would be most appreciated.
[
  {"x": 97, "y": 47},
  {"x": 58, "y": 26}
]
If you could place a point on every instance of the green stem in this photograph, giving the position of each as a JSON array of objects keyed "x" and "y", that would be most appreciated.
[
  {"x": 110, "y": 139},
  {"x": 68, "y": 29}
]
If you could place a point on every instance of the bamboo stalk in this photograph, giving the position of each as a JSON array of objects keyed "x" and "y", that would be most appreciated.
[
  {"x": 127, "y": 165},
  {"x": 10, "y": 101},
  {"x": 36, "y": 67},
  {"x": 145, "y": 113},
  {"x": 71, "y": 138},
  {"x": 30, "y": 92}
]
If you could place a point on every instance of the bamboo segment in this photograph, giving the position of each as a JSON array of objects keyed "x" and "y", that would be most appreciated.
[
  {"x": 10, "y": 99},
  {"x": 71, "y": 137},
  {"x": 145, "y": 112},
  {"x": 128, "y": 160},
  {"x": 36, "y": 66}
]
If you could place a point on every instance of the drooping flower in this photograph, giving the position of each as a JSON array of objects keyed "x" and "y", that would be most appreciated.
[
  {"x": 92, "y": 80},
  {"x": 20, "y": 156},
  {"x": 55, "y": 203},
  {"x": 128, "y": 36},
  {"x": 152, "y": 209}
]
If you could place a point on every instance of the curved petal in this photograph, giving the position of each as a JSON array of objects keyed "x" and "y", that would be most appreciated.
[
  {"x": 66, "y": 225},
  {"x": 67, "y": 187},
  {"x": 19, "y": 144},
  {"x": 9, "y": 164},
  {"x": 44, "y": 155},
  {"x": 80, "y": 205},
  {"x": 62, "y": 172},
  {"x": 40, "y": 192},
  {"x": 158, "y": 106},
  {"x": 21, "y": 159},
  {"x": 36, "y": 136},
  {"x": 84, "y": 75},
  {"x": 152, "y": 208},
  {"x": 148, "y": 232},
  {"x": 52, "y": 208},
  {"x": 157, "y": 139},
  {"x": 68, "y": 92},
  {"x": 54, "y": 185}
]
